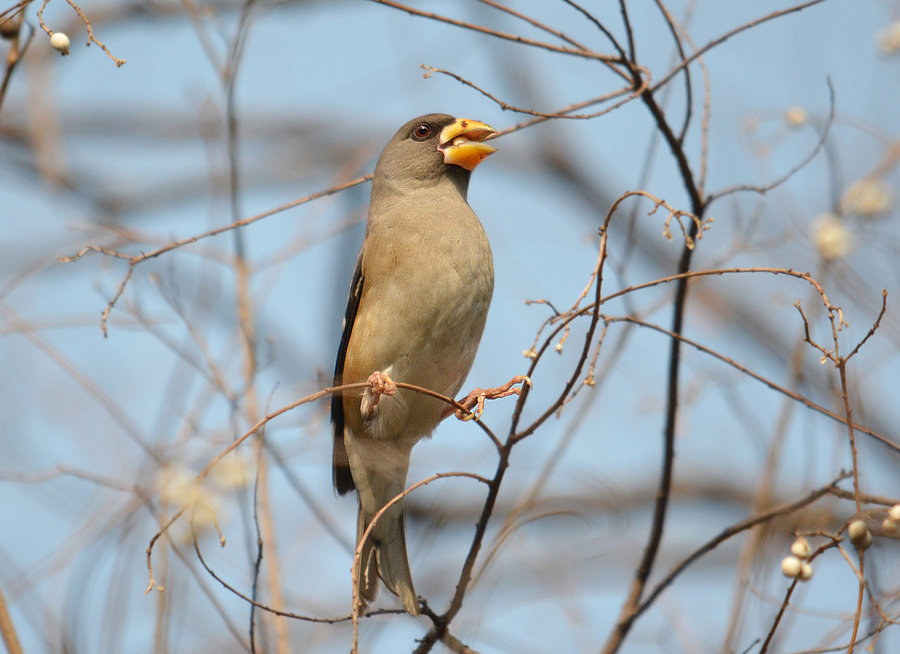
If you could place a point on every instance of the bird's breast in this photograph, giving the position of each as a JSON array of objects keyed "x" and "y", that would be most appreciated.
[{"x": 427, "y": 289}]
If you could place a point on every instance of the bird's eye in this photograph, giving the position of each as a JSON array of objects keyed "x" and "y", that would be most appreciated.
[{"x": 421, "y": 131}]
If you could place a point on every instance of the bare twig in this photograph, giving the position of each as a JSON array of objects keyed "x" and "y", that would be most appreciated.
[
  {"x": 264, "y": 607},
  {"x": 737, "y": 30},
  {"x": 776, "y": 387},
  {"x": 535, "y": 23},
  {"x": 15, "y": 53},
  {"x": 563, "y": 113},
  {"x": 7, "y": 629},
  {"x": 763, "y": 189},
  {"x": 256, "y": 429},
  {"x": 87, "y": 25},
  {"x": 135, "y": 260},
  {"x": 676, "y": 32},
  {"x": 725, "y": 534},
  {"x": 357, "y": 561},
  {"x": 603, "y": 30},
  {"x": 781, "y": 609},
  {"x": 609, "y": 60}
]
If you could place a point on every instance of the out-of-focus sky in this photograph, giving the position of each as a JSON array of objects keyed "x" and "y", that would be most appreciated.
[{"x": 99, "y": 155}]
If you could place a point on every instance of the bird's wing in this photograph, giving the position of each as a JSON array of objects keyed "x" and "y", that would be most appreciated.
[{"x": 343, "y": 480}]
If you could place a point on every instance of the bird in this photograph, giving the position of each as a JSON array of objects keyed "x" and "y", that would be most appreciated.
[{"x": 416, "y": 311}]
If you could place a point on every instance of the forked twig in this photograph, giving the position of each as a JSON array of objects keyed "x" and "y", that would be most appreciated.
[{"x": 137, "y": 259}]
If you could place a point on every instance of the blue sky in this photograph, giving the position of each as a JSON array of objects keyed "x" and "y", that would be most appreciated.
[{"x": 321, "y": 88}]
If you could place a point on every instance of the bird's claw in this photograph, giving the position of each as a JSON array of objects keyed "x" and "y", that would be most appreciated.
[
  {"x": 380, "y": 383},
  {"x": 479, "y": 396}
]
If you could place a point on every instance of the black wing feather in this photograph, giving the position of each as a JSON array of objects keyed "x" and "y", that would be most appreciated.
[{"x": 343, "y": 480}]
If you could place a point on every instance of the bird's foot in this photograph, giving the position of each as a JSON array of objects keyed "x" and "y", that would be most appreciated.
[
  {"x": 380, "y": 383},
  {"x": 479, "y": 396}
]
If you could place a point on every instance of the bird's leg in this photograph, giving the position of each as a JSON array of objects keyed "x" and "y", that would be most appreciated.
[
  {"x": 478, "y": 397},
  {"x": 380, "y": 383}
]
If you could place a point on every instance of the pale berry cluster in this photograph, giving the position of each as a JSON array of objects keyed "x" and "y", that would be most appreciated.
[{"x": 796, "y": 566}]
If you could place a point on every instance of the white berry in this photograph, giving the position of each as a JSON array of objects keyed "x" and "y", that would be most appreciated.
[
  {"x": 859, "y": 534},
  {"x": 791, "y": 567},
  {"x": 894, "y": 513},
  {"x": 857, "y": 529},
  {"x": 889, "y": 527},
  {"x": 60, "y": 42},
  {"x": 800, "y": 548},
  {"x": 806, "y": 571}
]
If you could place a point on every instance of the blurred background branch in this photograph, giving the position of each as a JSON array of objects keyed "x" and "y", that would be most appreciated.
[{"x": 218, "y": 180}]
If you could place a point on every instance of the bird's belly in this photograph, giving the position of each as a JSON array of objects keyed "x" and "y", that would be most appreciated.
[{"x": 430, "y": 343}]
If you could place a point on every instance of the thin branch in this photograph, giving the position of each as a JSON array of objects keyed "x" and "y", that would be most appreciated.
[
  {"x": 596, "y": 278},
  {"x": 577, "y": 52},
  {"x": 654, "y": 538},
  {"x": 442, "y": 622},
  {"x": 632, "y": 50},
  {"x": 874, "y": 326},
  {"x": 675, "y": 31},
  {"x": 749, "y": 523},
  {"x": 65, "y": 471},
  {"x": 784, "y": 391},
  {"x": 135, "y": 260},
  {"x": 859, "y": 596},
  {"x": 259, "y": 605},
  {"x": 600, "y": 26},
  {"x": 563, "y": 113},
  {"x": 14, "y": 54},
  {"x": 94, "y": 390},
  {"x": 737, "y": 30},
  {"x": 781, "y": 609},
  {"x": 357, "y": 555},
  {"x": 257, "y": 428},
  {"x": 7, "y": 629},
  {"x": 257, "y": 563},
  {"x": 87, "y": 25},
  {"x": 762, "y": 190},
  {"x": 536, "y": 23}
]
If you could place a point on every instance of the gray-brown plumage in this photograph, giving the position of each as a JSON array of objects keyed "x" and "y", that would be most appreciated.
[{"x": 415, "y": 314}]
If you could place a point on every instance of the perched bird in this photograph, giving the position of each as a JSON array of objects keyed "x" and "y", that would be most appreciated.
[{"x": 415, "y": 313}]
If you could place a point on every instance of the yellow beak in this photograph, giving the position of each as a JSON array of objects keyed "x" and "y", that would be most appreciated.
[{"x": 461, "y": 143}]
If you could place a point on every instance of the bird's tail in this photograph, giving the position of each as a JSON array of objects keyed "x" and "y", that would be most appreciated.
[
  {"x": 379, "y": 473},
  {"x": 384, "y": 553}
]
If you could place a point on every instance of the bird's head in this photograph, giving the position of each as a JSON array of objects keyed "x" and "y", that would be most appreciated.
[{"x": 433, "y": 147}]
